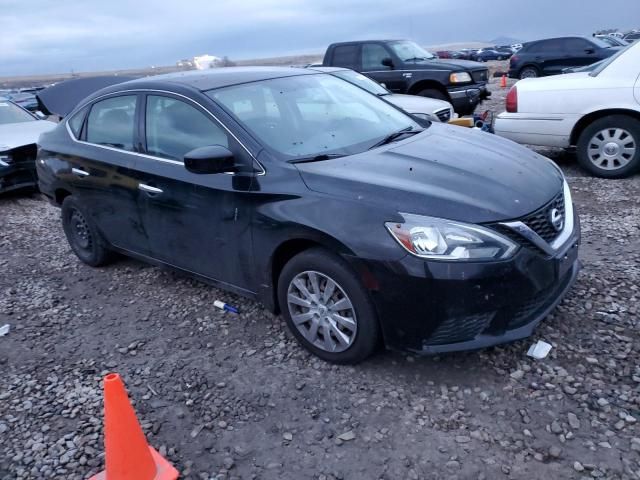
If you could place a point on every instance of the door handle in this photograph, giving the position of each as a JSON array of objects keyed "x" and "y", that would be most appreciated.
[
  {"x": 79, "y": 172},
  {"x": 149, "y": 189}
]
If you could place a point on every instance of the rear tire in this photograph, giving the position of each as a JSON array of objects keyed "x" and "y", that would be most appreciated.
[
  {"x": 82, "y": 235},
  {"x": 433, "y": 93},
  {"x": 610, "y": 147},
  {"x": 317, "y": 287},
  {"x": 529, "y": 72}
]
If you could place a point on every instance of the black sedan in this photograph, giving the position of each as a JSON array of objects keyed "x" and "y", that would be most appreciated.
[{"x": 323, "y": 202}]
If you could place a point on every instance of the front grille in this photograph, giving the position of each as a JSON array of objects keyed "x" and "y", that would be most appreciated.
[
  {"x": 519, "y": 239},
  {"x": 459, "y": 329},
  {"x": 444, "y": 115},
  {"x": 540, "y": 220},
  {"x": 480, "y": 76},
  {"x": 533, "y": 305}
]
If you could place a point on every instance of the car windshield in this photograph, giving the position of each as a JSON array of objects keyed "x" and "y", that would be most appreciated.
[
  {"x": 605, "y": 63},
  {"x": 312, "y": 115},
  {"x": 410, "y": 52},
  {"x": 10, "y": 113},
  {"x": 362, "y": 81}
]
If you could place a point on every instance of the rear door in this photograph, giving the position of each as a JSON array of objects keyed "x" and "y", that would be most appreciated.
[
  {"x": 103, "y": 171},
  {"x": 197, "y": 222}
]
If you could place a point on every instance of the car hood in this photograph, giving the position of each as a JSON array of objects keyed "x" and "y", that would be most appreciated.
[
  {"x": 451, "y": 64},
  {"x": 452, "y": 172},
  {"x": 417, "y": 104},
  {"x": 13, "y": 135}
]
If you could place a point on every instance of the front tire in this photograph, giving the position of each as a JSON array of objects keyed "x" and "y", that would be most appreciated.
[
  {"x": 82, "y": 235},
  {"x": 433, "y": 93},
  {"x": 327, "y": 308},
  {"x": 610, "y": 147}
]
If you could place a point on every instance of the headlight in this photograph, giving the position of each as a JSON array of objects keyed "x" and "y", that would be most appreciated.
[
  {"x": 460, "y": 77},
  {"x": 426, "y": 116},
  {"x": 440, "y": 239}
]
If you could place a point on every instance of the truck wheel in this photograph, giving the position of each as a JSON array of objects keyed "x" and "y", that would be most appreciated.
[
  {"x": 327, "y": 308},
  {"x": 433, "y": 93},
  {"x": 610, "y": 147},
  {"x": 529, "y": 72}
]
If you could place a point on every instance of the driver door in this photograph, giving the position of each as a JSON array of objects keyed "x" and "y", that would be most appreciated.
[
  {"x": 197, "y": 222},
  {"x": 372, "y": 56}
]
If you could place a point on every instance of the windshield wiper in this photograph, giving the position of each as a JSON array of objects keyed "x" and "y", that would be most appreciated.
[
  {"x": 316, "y": 158},
  {"x": 395, "y": 135},
  {"x": 415, "y": 59}
]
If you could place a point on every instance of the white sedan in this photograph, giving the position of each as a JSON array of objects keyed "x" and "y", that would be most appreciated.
[{"x": 598, "y": 112}]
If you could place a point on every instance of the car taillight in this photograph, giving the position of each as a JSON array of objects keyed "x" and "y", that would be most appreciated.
[{"x": 512, "y": 100}]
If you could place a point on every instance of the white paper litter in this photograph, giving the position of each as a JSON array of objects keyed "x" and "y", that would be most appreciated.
[
  {"x": 4, "y": 330},
  {"x": 539, "y": 350}
]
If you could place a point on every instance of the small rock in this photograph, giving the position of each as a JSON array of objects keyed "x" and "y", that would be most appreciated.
[
  {"x": 577, "y": 466},
  {"x": 346, "y": 436}
]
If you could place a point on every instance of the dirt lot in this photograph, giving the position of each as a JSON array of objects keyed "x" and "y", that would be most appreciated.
[{"x": 233, "y": 396}]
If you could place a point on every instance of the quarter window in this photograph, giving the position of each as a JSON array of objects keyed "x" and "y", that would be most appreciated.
[
  {"x": 174, "y": 128},
  {"x": 111, "y": 122},
  {"x": 75, "y": 123}
]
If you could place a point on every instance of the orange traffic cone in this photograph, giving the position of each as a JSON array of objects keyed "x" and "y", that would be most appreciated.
[
  {"x": 128, "y": 456},
  {"x": 503, "y": 82}
]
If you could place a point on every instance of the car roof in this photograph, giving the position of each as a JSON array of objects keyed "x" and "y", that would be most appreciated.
[
  {"x": 210, "y": 79},
  {"x": 358, "y": 42},
  {"x": 324, "y": 69}
]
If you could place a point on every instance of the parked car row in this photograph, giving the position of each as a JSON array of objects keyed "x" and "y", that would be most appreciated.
[
  {"x": 596, "y": 111},
  {"x": 325, "y": 202},
  {"x": 498, "y": 52}
]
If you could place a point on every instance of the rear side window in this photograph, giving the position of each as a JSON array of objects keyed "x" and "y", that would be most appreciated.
[
  {"x": 345, "y": 56},
  {"x": 546, "y": 46},
  {"x": 111, "y": 122},
  {"x": 174, "y": 128}
]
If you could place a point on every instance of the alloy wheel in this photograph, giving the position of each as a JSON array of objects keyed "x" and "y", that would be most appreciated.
[
  {"x": 611, "y": 148},
  {"x": 321, "y": 311},
  {"x": 528, "y": 73}
]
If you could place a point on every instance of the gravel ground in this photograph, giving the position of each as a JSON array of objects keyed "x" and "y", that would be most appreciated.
[{"x": 232, "y": 396}]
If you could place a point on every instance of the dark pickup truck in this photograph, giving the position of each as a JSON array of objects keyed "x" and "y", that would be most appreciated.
[{"x": 404, "y": 67}]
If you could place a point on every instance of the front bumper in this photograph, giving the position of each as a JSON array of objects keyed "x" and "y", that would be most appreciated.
[
  {"x": 465, "y": 99},
  {"x": 14, "y": 176},
  {"x": 431, "y": 307}
]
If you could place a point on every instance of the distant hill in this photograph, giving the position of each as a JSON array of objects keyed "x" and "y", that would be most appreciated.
[{"x": 504, "y": 41}]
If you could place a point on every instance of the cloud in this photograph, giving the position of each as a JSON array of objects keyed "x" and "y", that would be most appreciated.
[{"x": 41, "y": 36}]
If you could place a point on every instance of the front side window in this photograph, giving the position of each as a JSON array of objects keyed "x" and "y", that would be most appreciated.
[
  {"x": 10, "y": 113},
  {"x": 577, "y": 45},
  {"x": 324, "y": 115},
  {"x": 174, "y": 128},
  {"x": 111, "y": 122},
  {"x": 372, "y": 56}
]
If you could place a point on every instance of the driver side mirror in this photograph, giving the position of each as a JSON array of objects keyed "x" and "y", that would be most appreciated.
[
  {"x": 387, "y": 62},
  {"x": 211, "y": 159}
]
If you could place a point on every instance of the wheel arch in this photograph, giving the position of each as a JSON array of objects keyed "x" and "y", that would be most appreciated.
[
  {"x": 60, "y": 194},
  {"x": 588, "y": 119},
  {"x": 292, "y": 246}
]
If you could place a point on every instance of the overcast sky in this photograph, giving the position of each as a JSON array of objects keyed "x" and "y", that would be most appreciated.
[{"x": 56, "y": 36}]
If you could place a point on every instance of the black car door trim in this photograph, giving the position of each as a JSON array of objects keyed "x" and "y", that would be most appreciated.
[{"x": 175, "y": 162}]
